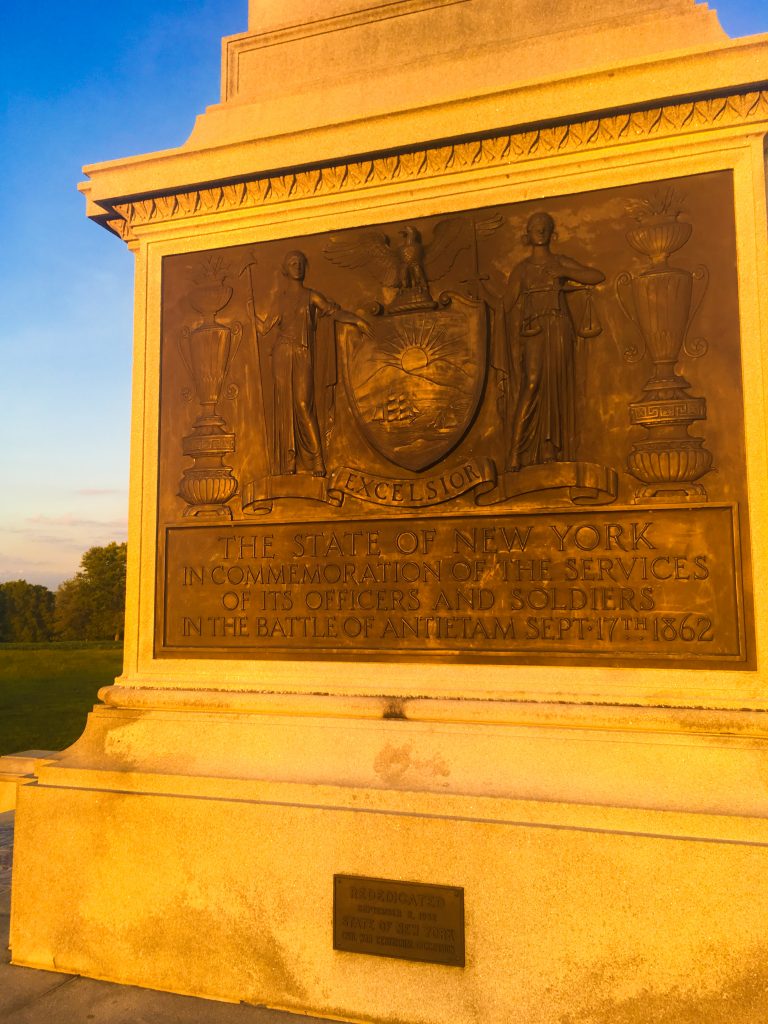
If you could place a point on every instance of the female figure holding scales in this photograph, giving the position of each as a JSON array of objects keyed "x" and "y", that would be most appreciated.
[{"x": 542, "y": 337}]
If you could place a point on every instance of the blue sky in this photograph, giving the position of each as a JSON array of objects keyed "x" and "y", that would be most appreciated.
[{"x": 83, "y": 83}]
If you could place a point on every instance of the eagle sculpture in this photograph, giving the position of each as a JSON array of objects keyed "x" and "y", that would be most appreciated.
[{"x": 407, "y": 267}]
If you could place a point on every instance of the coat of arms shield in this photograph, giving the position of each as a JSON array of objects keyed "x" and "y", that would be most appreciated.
[{"x": 415, "y": 385}]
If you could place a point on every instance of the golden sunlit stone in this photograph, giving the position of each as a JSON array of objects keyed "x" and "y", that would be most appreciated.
[{"x": 467, "y": 596}]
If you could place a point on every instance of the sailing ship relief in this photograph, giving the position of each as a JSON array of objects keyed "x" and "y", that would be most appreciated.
[
  {"x": 446, "y": 398},
  {"x": 416, "y": 383}
]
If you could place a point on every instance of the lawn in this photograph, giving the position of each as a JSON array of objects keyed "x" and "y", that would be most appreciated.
[{"x": 46, "y": 691}]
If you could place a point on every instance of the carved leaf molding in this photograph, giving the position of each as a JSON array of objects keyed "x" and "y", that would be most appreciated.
[{"x": 508, "y": 148}]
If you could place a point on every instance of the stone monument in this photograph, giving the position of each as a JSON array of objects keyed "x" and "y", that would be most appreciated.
[{"x": 445, "y": 663}]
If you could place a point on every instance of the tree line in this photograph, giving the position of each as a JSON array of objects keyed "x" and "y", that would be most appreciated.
[{"x": 90, "y": 606}]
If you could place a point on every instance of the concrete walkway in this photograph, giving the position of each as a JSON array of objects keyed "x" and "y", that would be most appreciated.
[{"x": 41, "y": 997}]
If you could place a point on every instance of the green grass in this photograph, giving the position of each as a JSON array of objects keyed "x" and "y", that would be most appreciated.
[{"x": 47, "y": 690}]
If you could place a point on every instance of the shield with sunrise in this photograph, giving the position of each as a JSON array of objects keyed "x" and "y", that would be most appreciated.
[{"x": 416, "y": 383}]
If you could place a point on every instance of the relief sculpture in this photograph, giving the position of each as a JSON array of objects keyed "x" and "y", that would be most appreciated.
[
  {"x": 434, "y": 447},
  {"x": 207, "y": 352},
  {"x": 542, "y": 341},
  {"x": 292, "y": 426},
  {"x": 661, "y": 302},
  {"x": 405, "y": 269},
  {"x": 538, "y": 357},
  {"x": 415, "y": 384}
]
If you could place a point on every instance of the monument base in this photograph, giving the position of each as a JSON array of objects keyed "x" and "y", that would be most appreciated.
[
  {"x": 16, "y": 768},
  {"x": 612, "y": 860}
]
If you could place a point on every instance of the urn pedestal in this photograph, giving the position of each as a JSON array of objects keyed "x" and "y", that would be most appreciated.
[
  {"x": 660, "y": 302},
  {"x": 207, "y": 352}
]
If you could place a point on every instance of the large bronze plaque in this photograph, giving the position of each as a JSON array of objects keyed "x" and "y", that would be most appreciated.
[
  {"x": 513, "y": 433},
  {"x": 406, "y": 920},
  {"x": 586, "y": 584}
]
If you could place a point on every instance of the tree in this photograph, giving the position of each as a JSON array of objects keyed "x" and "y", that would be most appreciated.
[
  {"x": 71, "y": 615},
  {"x": 26, "y": 612},
  {"x": 91, "y": 605}
]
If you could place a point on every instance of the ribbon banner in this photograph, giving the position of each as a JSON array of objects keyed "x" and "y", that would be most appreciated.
[
  {"x": 259, "y": 494},
  {"x": 586, "y": 483},
  {"x": 420, "y": 492}
]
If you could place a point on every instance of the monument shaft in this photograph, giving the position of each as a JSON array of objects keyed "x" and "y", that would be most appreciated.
[{"x": 448, "y": 519}]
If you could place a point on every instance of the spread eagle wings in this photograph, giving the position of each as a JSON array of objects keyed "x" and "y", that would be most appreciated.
[
  {"x": 374, "y": 251},
  {"x": 449, "y": 238},
  {"x": 371, "y": 250}
]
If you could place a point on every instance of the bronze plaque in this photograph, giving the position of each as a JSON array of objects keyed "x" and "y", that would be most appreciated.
[
  {"x": 584, "y": 584},
  {"x": 405, "y": 920},
  {"x": 513, "y": 433}
]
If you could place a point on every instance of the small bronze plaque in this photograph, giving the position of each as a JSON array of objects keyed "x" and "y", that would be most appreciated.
[{"x": 405, "y": 920}]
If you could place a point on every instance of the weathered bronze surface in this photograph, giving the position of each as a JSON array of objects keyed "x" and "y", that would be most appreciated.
[
  {"x": 464, "y": 436},
  {"x": 405, "y": 920},
  {"x": 619, "y": 583}
]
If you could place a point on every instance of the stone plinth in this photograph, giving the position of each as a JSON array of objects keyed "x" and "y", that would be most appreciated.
[
  {"x": 447, "y": 526},
  {"x": 15, "y": 768}
]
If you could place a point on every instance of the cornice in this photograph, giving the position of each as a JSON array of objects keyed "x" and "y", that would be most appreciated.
[{"x": 510, "y": 148}]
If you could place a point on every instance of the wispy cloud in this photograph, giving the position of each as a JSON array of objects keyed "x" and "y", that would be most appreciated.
[
  {"x": 100, "y": 492},
  {"x": 11, "y": 569},
  {"x": 40, "y": 537},
  {"x": 35, "y": 570},
  {"x": 47, "y": 549},
  {"x": 76, "y": 523}
]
